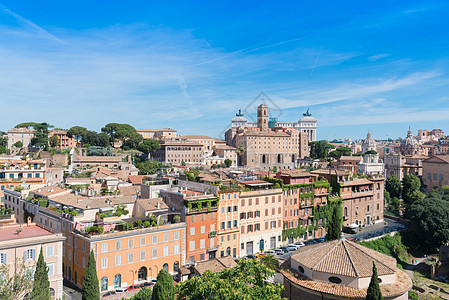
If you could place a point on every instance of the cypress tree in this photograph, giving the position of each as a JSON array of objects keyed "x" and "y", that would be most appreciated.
[
  {"x": 373, "y": 292},
  {"x": 334, "y": 223},
  {"x": 41, "y": 286},
  {"x": 91, "y": 290},
  {"x": 164, "y": 288}
]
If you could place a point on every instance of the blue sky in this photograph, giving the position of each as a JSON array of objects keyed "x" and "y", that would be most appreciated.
[{"x": 358, "y": 65}]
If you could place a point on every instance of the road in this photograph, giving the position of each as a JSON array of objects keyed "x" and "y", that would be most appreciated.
[{"x": 374, "y": 230}]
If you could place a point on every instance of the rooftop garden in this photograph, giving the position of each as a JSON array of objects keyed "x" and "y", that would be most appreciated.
[
  {"x": 118, "y": 211},
  {"x": 65, "y": 210},
  {"x": 201, "y": 204}
]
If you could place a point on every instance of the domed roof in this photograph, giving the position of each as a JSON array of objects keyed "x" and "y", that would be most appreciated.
[
  {"x": 307, "y": 119},
  {"x": 344, "y": 258},
  {"x": 410, "y": 140},
  {"x": 239, "y": 119}
]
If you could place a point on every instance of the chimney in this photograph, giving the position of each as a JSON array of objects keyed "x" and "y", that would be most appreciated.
[{"x": 158, "y": 205}]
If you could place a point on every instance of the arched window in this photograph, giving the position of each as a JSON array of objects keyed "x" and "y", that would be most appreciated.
[
  {"x": 176, "y": 267},
  {"x": 293, "y": 158},
  {"x": 335, "y": 280},
  {"x": 104, "y": 284},
  {"x": 228, "y": 251},
  {"x": 165, "y": 267},
  {"x": 142, "y": 274},
  {"x": 264, "y": 159},
  {"x": 346, "y": 211},
  {"x": 52, "y": 292},
  {"x": 279, "y": 158},
  {"x": 301, "y": 269},
  {"x": 117, "y": 280}
]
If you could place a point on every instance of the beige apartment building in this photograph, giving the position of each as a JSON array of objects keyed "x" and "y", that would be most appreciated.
[
  {"x": 22, "y": 134},
  {"x": 158, "y": 134},
  {"x": 260, "y": 217},
  {"x": 27, "y": 245},
  {"x": 172, "y": 152},
  {"x": 228, "y": 222},
  {"x": 435, "y": 172}
]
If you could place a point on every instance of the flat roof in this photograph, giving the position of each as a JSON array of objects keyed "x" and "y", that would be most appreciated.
[
  {"x": 31, "y": 231},
  {"x": 256, "y": 183}
]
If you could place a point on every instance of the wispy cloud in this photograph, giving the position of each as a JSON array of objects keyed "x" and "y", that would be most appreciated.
[{"x": 378, "y": 57}]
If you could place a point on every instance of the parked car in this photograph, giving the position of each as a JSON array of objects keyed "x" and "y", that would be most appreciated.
[
  {"x": 320, "y": 239},
  {"x": 285, "y": 249},
  {"x": 259, "y": 255},
  {"x": 291, "y": 248},
  {"x": 120, "y": 290},
  {"x": 300, "y": 244},
  {"x": 293, "y": 245},
  {"x": 269, "y": 252},
  {"x": 133, "y": 287},
  {"x": 153, "y": 281},
  {"x": 250, "y": 256},
  {"x": 146, "y": 284},
  {"x": 350, "y": 239},
  {"x": 279, "y": 251},
  {"x": 108, "y": 294}
]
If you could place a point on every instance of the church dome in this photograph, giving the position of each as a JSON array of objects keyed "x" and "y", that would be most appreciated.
[
  {"x": 307, "y": 119},
  {"x": 410, "y": 141}
]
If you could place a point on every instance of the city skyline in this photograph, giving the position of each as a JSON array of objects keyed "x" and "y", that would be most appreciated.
[{"x": 359, "y": 67}]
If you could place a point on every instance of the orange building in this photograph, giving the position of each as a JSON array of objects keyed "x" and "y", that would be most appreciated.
[{"x": 63, "y": 140}]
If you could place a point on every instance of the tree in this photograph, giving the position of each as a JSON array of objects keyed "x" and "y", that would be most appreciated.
[
  {"x": 14, "y": 283},
  {"x": 339, "y": 152},
  {"x": 445, "y": 189},
  {"x": 143, "y": 294},
  {"x": 334, "y": 223},
  {"x": 3, "y": 150},
  {"x": 91, "y": 290},
  {"x": 270, "y": 262},
  {"x": 18, "y": 144},
  {"x": 164, "y": 288},
  {"x": 54, "y": 141},
  {"x": 40, "y": 138},
  {"x": 245, "y": 281},
  {"x": 374, "y": 292},
  {"x": 3, "y": 139},
  {"x": 228, "y": 162},
  {"x": 275, "y": 169},
  {"x": 320, "y": 149},
  {"x": 77, "y": 132},
  {"x": 118, "y": 131},
  {"x": 240, "y": 151},
  {"x": 98, "y": 151},
  {"x": 149, "y": 146},
  {"x": 132, "y": 141},
  {"x": 41, "y": 286},
  {"x": 393, "y": 186},
  {"x": 410, "y": 184}
]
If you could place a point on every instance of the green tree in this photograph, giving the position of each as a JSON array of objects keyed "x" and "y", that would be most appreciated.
[
  {"x": 91, "y": 290},
  {"x": 18, "y": 144},
  {"x": 40, "y": 138},
  {"x": 374, "y": 292},
  {"x": 118, "y": 131},
  {"x": 77, "y": 132},
  {"x": 143, "y": 294},
  {"x": 240, "y": 151},
  {"x": 393, "y": 186},
  {"x": 41, "y": 286},
  {"x": 275, "y": 169},
  {"x": 270, "y": 262},
  {"x": 3, "y": 150},
  {"x": 445, "y": 189},
  {"x": 54, "y": 141},
  {"x": 16, "y": 282},
  {"x": 183, "y": 163},
  {"x": 395, "y": 204},
  {"x": 98, "y": 151},
  {"x": 339, "y": 152},
  {"x": 334, "y": 223},
  {"x": 245, "y": 281},
  {"x": 149, "y": 146},
  {"x": 410, "y": 184},
  {"x": 320, "y": 149},
  {"x": 228, "y": 162},
  {"x": 3, "y": 139},
  {"x": 132, "y": 141},
  {"x": 164, "y": 288}
]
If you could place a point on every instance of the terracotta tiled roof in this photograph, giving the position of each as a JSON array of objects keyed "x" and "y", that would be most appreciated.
[
  {"x": 357, "y": 182},
  {"x": 151, "y": 204},
  {"x": 96, "y": 158},
  {"x": 136, "y": 179},
  {"x": 83, "y": 202},
  {"x": 215, "y": 265},
  {"x": 49, "y": 190},
  {"x": 224, "y": 147},
  {"x": 357, "y": 158},
  {"x": 296, "y": 173},
  {"x": 341, "y": 257},
  {"x": 130, "y": 190},
  {"x": 195, "y": 137},
  {"x": 330, "y": 172}
]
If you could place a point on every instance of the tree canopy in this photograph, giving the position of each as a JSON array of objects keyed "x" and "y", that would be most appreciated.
[
  {"x": 16, "y": 282},
  {"x": 98, "y": 151},
  {"x": 164, "y": 288},
  {"x": 245, "y": 281},
  {"x": 393, "y": 186},
  {"x": 374, "y": 292},
  {"x": 118, "y": 131},
  {"x": 91, "y": 289},
  {"x": 333, "y": 228},
  {"x": 429, "y": 222},
  {"x": 149, "y": 146},
  {"x": 410, "y": 188},
  {"x": 320, "y": 149},
  {"x": 339, "y": 152},
  {"x": 40, "y": 138}
]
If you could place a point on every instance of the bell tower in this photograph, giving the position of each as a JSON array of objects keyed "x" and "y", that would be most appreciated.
[{"x": 262, "y": 117}]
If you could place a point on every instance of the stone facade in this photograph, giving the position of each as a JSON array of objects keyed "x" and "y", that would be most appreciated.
[
  {"x": 435, "y": 171},
  {"x": 172, "y": 152},
  {"x": 23, "y": 135}
]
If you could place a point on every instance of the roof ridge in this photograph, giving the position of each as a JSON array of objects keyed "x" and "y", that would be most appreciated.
[
  {"x": 372, "y": 257},
  {"x": 324, "y": 256},
  {"x": 350, "y": 258}
]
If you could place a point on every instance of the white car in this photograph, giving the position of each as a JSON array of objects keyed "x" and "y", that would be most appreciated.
[
  {"x": 279, "y": 252},
  {"x": 300, "y": 244},
  {"x": 291, "y": 248},
  {"x": 293, "y": 245},
  {"x": 120, "y": 290},
  {"x": 270, "y": 252}
]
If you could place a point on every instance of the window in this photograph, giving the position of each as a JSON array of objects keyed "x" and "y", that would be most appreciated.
[
  {"x": 29, "y": 254},
  {"x": 165, "y": 251},
  {"x": 84, "y": 261},
  {"x": 257, "y": 227},
  {"x": 235, "y": 236},
  {"x": 235, "y": 208},
  {"x": 192, "y": 245},
  {"x": 229, "y": 209},
  {"x": 131, "y": 243},
  {"x": 203, "y": 229},
  {"x": 250, "y": 228},
  {"x": 118, "y": 245},
  {"x": 242, "y": 216},
  {"x": 165, "y": 237},
  {"x": 3, "y": 258},
  {"x": 84, "y": 246},
  {"x": 130, "y": 257},
  {"x": 104, "y": 262},
  {"x": 212, "y": 227},
  {"x": 229, "y": 224},
  {"x": 51, "y": 269},
  {"x": 104, "y": 247},
  {"x": 155, "y": 239},
  {"x": 118, "y": 260},
  {"x": 334, "y": 279},
  {"x": 222, "y": 210},
  {"x": 143, "y": 255},
  {"x": 104, "y": 284},
  {"x": 223, "y": 225},
  {"x": 202, "y": 244},
  {"x": 243, "y": 202},
  {"x": 176, "y": 235},
  {"x": 435, "y": 176},
  {"x": 429, "y": 176},
  {"x": 273, "y": 224},
  {"x": 441, "y": 177},
  {"x": 176, "y": 249},
  {"x": 235, "y": 223},
  {"x": 192, "y": 230},
  {"x": 50, "y": 251},
  {"x": 154, "y": 252},
  {"x": 243, "y": 229},
  {"x": 192, "y": 259}
]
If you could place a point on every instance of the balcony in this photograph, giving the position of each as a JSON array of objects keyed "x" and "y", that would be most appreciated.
[
  {"x": 212, "y": 234},
  {"x": 212, "y": 249}
]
